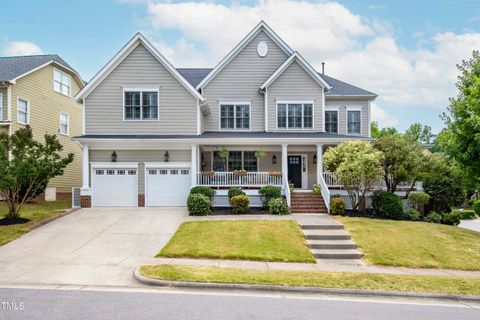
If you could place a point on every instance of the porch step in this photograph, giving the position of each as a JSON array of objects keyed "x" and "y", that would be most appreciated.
[
  {"x": 326, "y": 235},
  {"x": 332, "y": 244},
  {"x": 307, "y": 202},
  {"x": 337, "y": 254},
  {"x": 322, "y": 226}
]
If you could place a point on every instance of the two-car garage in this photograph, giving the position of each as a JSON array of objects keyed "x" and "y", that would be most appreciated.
[{"x": 120, "y": 184}]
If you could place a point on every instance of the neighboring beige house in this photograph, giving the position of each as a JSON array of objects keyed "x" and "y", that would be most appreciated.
[
  {"x": 39, "y": 91},
  {"x": 153, "y": 131}
]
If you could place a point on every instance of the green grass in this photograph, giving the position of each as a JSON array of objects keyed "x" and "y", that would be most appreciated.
[
  {"x": 415, "y": 244},
  {"x": 350, "y": 280},
  {"x": 242, "y": 240},
  {"x": 35, "y": 212}
]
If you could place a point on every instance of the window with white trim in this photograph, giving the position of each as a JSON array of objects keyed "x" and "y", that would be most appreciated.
[
  {"x": 22, "y": 111},
  {"x": 331, "y": 121},
  {"x": 141, "y": 105},
  {"x": 295, "y": 116},
  {"x": 237, "y": 160},
  {"x": 61, "y": 82},
  {"x": 235, "y": 116},
  {"x": 354, "y": 121},
  {"x": 64, "y": 123},
  {"x": 1, "y": 107}
]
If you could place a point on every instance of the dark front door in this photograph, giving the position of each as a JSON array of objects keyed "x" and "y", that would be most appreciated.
[{"x": 295, "y": 171}]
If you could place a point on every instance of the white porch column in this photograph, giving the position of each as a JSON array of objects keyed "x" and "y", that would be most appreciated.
[
  {"x": 85, "y": 169},
  {"x": 319, "y": 162},
  {"x": 285, "y": 162},
  {"x": 194, "y": 166}
]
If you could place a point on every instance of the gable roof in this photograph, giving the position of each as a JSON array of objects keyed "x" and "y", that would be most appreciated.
[
  {"x": 122, "y": 54},
  {"x": 13, "y": 68},
  {"x": 296, "y": 57},
  {"x": 262, "y": 26},
  {"x": 194, "y": 75}
]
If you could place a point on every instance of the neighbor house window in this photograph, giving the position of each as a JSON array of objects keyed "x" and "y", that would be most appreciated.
[
  {"x": 235, "y": 116},
  {"x": 64, "y": 127},
  {"x": 141, "y": 105},
  {"x": 23, "y": 110},
  {"x": 354, "y": 121},
  {"x": 331, "y": 121},
  {"x": 295, "y": 115},
  {"x": 61, "y": 82},
  {"x": 237, "y": 160}
]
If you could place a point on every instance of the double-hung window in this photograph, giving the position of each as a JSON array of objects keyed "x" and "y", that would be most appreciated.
[
  {"x": 237, "y": 160},
  {"x": 22, "y": 111},
  {"x": 295, "y": 116},
  {"x": 235, "y": 116},
  {"x": 64, "y": 123},
  {"x": 354, "y": 121},
  {"x": 141, "y": 105},
  {"x": 61, "y": 82},
  {"x": 331, "y": 121}
]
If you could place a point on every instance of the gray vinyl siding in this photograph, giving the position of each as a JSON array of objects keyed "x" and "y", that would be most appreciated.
[
  {"x": 239, "y": 82},
  {"x": 140, "y": 156},
  {"x": 295, "y": 84},
  {"x": 104, "y": 106},
  {"x": 342, "y": 114},
  {"x": 4, "y": 111}
]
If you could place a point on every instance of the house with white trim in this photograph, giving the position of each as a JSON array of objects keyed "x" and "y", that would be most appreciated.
[{"x": 151, "y": 131}]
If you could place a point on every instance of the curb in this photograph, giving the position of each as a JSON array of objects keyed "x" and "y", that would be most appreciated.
[
  {"x": 293, "y": 289},
  {"x": 44, "y": 222}
]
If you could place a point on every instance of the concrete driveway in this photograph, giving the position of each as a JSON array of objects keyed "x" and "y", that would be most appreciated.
[
  {"x": 471, "y": 224},
  {"x": 90, "y": 247}
]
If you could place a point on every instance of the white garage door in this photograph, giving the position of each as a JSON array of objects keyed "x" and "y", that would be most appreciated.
[
  {"x": 114, "y": 187},
  {"x": 167, "y": 187}
]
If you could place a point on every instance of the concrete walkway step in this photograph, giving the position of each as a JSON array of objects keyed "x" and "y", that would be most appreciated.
[
  {"x": 332, "y": 244},
  {"x": 326, "y": 235},
  {"x": 322, "y": 226},
  {"x": 337, "y": 254}
]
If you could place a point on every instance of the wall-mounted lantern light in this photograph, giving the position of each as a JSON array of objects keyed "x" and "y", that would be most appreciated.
[
  {"x": 166, "y": 157},
  {"x": 114, "y": 156},
  {"x": 274, "y": 159}
]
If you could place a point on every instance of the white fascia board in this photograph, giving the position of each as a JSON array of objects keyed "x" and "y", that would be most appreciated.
[
  {"x": 305, "y": 66},
  {"x": 242, "y": 44},
  {"x": 122, "y": 54}
]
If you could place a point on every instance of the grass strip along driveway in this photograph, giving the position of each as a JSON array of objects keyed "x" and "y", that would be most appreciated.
[
  {"x": 32, "y": 213},
  {"x": 345, "y": 280},
  {"x": 415, "y": 244},
  {"x": 243, "y": 240}
]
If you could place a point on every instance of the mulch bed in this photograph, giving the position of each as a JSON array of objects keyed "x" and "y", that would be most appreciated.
[
  {"x": 228, "y": 211},
  {"x": 9, "y": 222}
]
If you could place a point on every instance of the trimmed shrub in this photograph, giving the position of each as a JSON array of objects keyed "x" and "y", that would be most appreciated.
[
  {"x": 452, "y": 218},
  {"x": 232, "y": 192},
  {"x": 476, "y": 206},
  {"x": 418, "y": 200},
  {"x": 240, "y": 203},
  {"x": 278, "y": 206},
  {"x": 198, "y": 204},
  {"x": 206, "y": 191},
  {"x": 413, "y": 215},
  {"x": 337, "y": 205},
  {"x": 387, "y": 205},
  {"x": 268, "y": 193},
  {"x": 468, "y": 214},
  {"x": 433, "y": 217}
]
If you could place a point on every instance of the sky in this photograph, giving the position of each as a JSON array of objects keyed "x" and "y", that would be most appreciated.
[{"x": 404, "y": 51}]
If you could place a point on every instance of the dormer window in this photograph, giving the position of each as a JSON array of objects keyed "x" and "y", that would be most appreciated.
[
  {"x": 61, "y": 82},
  {"x": 140, "y": 105},
  {"x": 235, "y": 116},
  {"x": 295, "y": 115}
]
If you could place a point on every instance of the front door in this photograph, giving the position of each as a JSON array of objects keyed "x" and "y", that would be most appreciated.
[{"x": 295, "y": 171}]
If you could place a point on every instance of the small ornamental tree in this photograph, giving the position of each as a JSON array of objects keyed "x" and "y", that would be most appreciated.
[
  {"x": 32, "y": 165},
  {"x": 357, "y": 166}
]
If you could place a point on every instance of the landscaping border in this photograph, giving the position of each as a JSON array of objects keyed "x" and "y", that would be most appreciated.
[
  {"x": 296, "y": 289},
  {"x": 44, "y": 222}
]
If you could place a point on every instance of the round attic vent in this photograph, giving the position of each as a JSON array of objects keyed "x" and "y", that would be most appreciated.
[{"x": 262, "y": 49}]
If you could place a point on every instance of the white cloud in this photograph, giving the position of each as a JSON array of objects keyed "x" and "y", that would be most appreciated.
[
  {"x": 357, "y": 50},
  {"x": 383, "y": 118},
  {"x": 21, "y": 48}
]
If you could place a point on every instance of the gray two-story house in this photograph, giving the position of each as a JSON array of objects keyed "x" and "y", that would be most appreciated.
[{"x": 152, "y": 131}]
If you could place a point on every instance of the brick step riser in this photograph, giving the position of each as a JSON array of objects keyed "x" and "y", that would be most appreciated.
[
  {"x": 309, "y": 211},
  {"x": 328, "y": 237},
  {"x": 314, "y": 206},
  {"x": 332, "y": 246},
  {"x": 322, "y": 227},
  {"x": 337, "y": 256}
]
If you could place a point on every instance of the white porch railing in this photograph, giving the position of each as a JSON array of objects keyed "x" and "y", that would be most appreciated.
[
  {"x": 325, "y": 192},
  {"x": 230, "y": 179},
  {"x": 286, "y": 187},
  {"x": 332, "y": 181}
]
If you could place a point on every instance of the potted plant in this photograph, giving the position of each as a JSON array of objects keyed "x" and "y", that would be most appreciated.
[
  {"x": 260, "y": 154},
  {"x": 239, "y": 173},
  {"x": 224, "y": 154},
  {"x": 317, "y": 189}
]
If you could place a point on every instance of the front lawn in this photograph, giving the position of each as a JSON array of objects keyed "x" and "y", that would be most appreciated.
[
  {"x": 350, "y": 280},
  {"x": 34, "y": 213},
  {"x": 242, "y": 240},
  {"x": 415, "y": 244}
]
